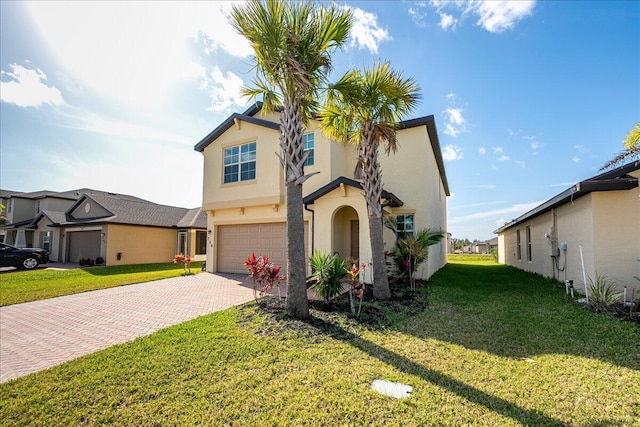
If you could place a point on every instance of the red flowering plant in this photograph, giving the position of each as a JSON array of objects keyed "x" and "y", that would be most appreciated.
[
  {"x": 357, "y": 288},
  {"x": 264, "y": 274},
  {"x": 186, "y": 261}
]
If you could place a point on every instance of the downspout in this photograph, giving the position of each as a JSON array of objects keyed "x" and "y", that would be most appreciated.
[{"x": 313, "y": 226}]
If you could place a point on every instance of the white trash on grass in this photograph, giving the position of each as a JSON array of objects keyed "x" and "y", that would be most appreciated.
[{"x": 392, "y": 389}]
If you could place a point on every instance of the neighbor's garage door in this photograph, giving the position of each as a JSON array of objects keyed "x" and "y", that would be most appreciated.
[
  {"x": 237, "y": 242},
  {"x": 83, "y": 244}
]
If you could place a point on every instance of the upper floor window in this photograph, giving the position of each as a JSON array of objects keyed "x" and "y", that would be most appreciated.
[
  {"x": 308, "y": 141},
  {"x": 240, "y": 163},
  {"x": 404, "y": 225},
  {"x": 37, "y": 207}
]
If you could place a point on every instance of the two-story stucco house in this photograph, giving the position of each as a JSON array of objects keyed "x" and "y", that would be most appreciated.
[
  {"x": 593, "y": 224},
  {"x": 86, "y": 223},
  {"x": 244, "y": 192}
]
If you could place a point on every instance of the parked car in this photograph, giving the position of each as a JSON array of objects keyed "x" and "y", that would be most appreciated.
[{"x": 22, "y": 258}]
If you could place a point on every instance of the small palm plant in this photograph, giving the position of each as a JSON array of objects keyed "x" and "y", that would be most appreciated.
[
  {"x": 328, "y": 271},
  {"x": 602, "y": 294},
  {"x": 412, "y": 250}
]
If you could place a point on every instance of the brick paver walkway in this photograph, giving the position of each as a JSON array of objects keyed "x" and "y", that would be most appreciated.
[{"x": 37, "y": 335}]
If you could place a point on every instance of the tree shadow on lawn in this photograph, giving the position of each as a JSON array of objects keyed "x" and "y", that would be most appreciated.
[
  {"x": 493, "y": 403},
  {"x": 512, "y": 313}
]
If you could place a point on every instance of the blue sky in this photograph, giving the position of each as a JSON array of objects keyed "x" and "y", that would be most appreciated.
[{"x": 528, "y": 97}]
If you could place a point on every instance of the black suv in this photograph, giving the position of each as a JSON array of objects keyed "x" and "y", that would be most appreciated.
[{"x": 22, "y": 258}]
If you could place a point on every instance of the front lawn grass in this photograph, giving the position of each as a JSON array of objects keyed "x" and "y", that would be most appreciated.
[
  {"x": 494, "y": 346},
  {"x": 25, "y": 286}
]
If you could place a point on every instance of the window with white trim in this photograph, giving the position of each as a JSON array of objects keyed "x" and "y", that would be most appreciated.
[
  {"x": 405, "y": 225},
  {"x": 240, "y": 163},
  {"x": 309, "y": 142}
]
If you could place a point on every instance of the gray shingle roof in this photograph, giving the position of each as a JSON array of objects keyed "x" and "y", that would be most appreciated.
[{"x": 134, "y": 211}]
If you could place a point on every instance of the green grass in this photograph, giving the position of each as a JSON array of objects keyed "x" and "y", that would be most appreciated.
[
  {"x": 24, "y": 286},
  {"x": 494, "y": 346}
]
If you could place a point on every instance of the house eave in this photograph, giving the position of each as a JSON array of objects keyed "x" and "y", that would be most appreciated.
[
  {"x": 615, "y": 180},
  {"x": 391, "y": 199}
]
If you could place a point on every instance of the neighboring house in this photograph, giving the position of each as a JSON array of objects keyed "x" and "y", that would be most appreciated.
[
  {"x": 596, "y": 221},
  {"x": 87, "y": 223},
  {"x": 244, "y": 192},
  {"x": 478, "y": 247},
  {"x": 493, "y": 244}
]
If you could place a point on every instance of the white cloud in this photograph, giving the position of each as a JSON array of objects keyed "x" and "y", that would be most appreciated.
[
  {"x": 455, "y": 121},
  {"x": 581, "y": 149},
  {"x": 481, "y": 150},
  {"x": 504, "y": 158},
  {"x": 517, "y": 209},
  {"x": 447, "y": 21},
  {"x": 498, "y": 16},
  {"x": 500, "y": 222},
  {"x": 575, "y": 159},
  {"x": 27, "y": 88},
  {"x": 521, "y": 163},
  {"x": 451, "y": 153},
  {"x": 105, "y": 45},
  {"x": 224, "y": 90},
  {"x": 495, "y": 16},
  {"x": 418, "y": 14},
  {"x": 365, "y": 32},
  {"x": 497, "y": 150},
  {"x": 122, "y": 129},
  {"x": 536, "y": 145}
]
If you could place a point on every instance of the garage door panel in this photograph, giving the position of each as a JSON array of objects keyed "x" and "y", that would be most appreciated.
[{"x": 236, "y": 242}]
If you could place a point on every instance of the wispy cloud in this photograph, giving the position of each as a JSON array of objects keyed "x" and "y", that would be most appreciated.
[
  {"x": 451, "y": 153},
  {"x": 576, "y": 159},
  {"x": 26, "y": 87},
  {"x": 495, "y": 16},
  {"x": 224, "y": 90},
  {"x": 515, "y": 210},
  {"x": 484, "y": 186},
  {"x": 455, "y": 123}
]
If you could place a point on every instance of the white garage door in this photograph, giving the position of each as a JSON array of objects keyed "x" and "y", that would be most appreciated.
[{"x": 237, "y": 242}]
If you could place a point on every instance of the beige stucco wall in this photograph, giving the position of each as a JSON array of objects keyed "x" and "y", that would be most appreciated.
[
  {"x": 411, "y": 174},
  {"x": 139, "y": 245},
  {"x": 617, "y": 237},
  {"x": 326, "y": 210},
  {"x": 265, "y": 189},
  {"x": 604, "y": 225}
]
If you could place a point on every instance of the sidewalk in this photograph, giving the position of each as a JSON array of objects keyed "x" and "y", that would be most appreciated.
[{"x": 41, "y": 334}]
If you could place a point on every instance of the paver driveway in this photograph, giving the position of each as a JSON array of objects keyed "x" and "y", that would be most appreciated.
[{"x": 37, "y": 335}]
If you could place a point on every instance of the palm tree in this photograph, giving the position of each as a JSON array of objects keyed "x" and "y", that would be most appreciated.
[
  {"x": 292, "y": 42},
  {"x": 631, "y": 151},
  {"x": 363, "y": 109}
]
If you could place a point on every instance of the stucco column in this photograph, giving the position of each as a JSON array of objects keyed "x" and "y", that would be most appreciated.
[{"x": 21, "y": 239}]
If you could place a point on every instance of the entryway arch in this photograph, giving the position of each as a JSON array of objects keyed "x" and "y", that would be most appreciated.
[{"x": 345, "y": 230}]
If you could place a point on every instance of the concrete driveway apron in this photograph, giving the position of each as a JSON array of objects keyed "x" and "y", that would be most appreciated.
[{"x": 41, "y": 334}]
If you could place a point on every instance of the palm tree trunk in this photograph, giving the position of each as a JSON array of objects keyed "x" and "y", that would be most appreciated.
[
  {"x": 292, "y": 149},
  {"x": 297, "y": 301},
  {"x": 372, "y": 185},
  {"x": 380, "y": 280}
]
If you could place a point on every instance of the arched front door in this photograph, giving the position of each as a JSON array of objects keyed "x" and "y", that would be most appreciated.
[{"x": 346, "y": 233}]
